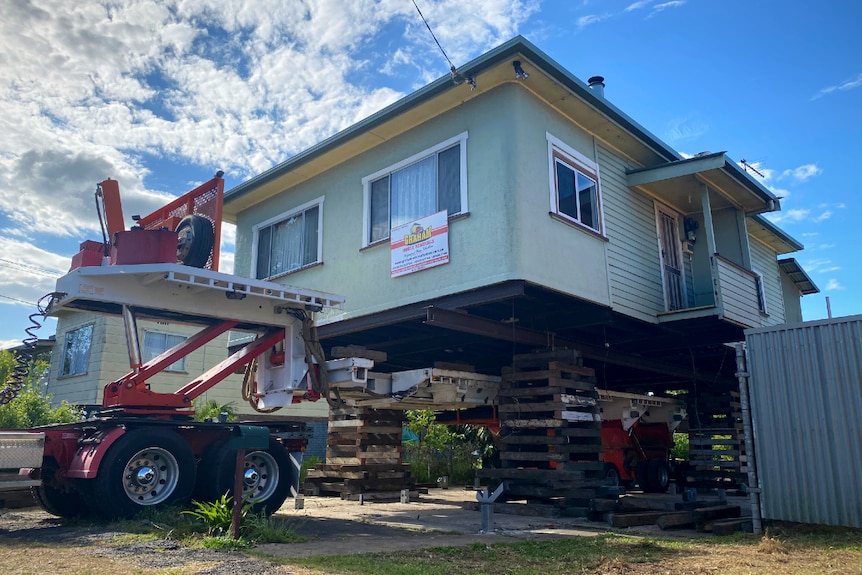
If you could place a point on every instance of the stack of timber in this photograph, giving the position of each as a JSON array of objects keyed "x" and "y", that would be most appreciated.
[
  {"x": 714, "y": 516},
  {"x": 550, "y": 444},
  {"x": 363, "y": 457},
  {"x": 716, "y": 441}
]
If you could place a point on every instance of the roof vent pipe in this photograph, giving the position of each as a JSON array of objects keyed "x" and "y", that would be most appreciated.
[{"x": 597, "y": 85}]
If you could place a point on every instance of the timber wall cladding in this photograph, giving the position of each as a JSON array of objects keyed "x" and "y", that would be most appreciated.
[
  {"x": 363, "y": 456},
  {"x": 550, "y": 443}
]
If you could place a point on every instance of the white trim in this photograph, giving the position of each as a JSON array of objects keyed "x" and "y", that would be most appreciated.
[
  {"x": 560, "y": 151},
  {"x": 89, "y": 352},
  {"x": 574, "y": 155},
  {"x": 255, "y": 229},
  {"x": 761, "y": 290},
  {"x": 659, "y": 208},
  {"x": 183, "y": 359},
  {"x": 367, "y": 180}
]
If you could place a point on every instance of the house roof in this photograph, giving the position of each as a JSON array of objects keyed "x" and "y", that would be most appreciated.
[
  {"x": 772, "y": 235},
  {"x": 798, "y": 276},
  {"x": 547, "y": 79},
  {"x": 675, "y": 180}
]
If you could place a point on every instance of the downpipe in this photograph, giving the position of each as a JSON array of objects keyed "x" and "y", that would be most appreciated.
[{"x": 748, "y": 436}]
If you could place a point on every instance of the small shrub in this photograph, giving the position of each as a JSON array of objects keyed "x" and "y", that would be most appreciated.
[{"x": 216, "y": 515}]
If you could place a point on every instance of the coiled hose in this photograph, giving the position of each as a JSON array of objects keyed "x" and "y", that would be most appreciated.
[{"x": 18, "y": 376}]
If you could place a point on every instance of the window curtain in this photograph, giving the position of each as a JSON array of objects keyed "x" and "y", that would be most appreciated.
[
  {"x": 286, "y": 246},
  {"x": 414, "y": 192},
  {"x": 77, "y": 350}
]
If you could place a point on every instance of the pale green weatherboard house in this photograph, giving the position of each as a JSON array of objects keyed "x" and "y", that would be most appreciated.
[{"x": 569, "y": 224}]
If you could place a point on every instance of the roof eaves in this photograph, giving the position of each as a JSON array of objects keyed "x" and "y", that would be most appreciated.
[
  {"x": 517, "y": 45},
  {"x": 802, "y": 280},
  {"x": 778, "y": 232}
]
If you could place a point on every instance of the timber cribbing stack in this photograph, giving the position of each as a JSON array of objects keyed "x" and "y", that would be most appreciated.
[
  {"x": 716, "y": 441},
  {"x": 363, "y": 457},
  {"x": 550, "y": 429}
]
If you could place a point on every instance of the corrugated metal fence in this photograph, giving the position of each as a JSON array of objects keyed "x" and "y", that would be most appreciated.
[{"x": 806, "y": 403}]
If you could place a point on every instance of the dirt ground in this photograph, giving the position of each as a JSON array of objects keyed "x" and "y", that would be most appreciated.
[{"x": 332, "y": 526}]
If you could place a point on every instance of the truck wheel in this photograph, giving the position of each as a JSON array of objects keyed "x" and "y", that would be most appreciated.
[
  {"x": 267, "y": 476},
  {"x": 641, "y": 475},
  {"x": 67, "y": 503},
  {"x": 658, "y": 476},
  {"x": 612, "y": 475},
  {"x": 195, "y": 239},
  {"x": 143, "y": 468}
]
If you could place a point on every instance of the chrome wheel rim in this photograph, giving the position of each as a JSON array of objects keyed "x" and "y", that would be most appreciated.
[
  {"x": 151, "y": 476},
  {"x": 259, "y": 476}
]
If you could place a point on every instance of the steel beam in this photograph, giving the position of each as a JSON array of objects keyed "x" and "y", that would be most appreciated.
[{"x": 464, "y": 322}]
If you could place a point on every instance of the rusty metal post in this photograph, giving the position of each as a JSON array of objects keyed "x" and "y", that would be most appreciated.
[{"x": 237, "y": 493}]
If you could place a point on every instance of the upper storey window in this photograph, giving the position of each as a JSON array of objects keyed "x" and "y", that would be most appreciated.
[{"x": 426, "y": 183}]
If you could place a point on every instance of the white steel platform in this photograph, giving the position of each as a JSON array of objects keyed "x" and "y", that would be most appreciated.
[{"x": 184, "y": 294}]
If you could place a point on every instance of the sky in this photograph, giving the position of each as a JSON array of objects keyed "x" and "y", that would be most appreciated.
[{"x": 159, "y": 95}]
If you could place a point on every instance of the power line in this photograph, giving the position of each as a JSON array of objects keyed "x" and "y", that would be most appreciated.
[
  {"x": 17, "y": 300},
  {"x": 457, "y": 78},
  {"x": 33, "y": 269},
  {"x": 451, "y": 65}
]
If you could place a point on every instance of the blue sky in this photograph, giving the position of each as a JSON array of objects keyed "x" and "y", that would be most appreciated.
[{"x": 161, "y": 95}]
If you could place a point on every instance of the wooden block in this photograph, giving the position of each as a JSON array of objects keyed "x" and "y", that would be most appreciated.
[
  {"x": 635, "y": 519},
  {"x": 731, "y": 526},
  {"x": 359, "y": 351},
  {"x": 677, "y": 519}
]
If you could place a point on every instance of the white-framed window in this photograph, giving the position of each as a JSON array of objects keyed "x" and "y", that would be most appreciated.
[
  {"x": 76, "y": 350},
  {"x": 423, "y": 184},
  {"x": 574, "y": 185},
  {"x": 290, "y": 241},
  {"x": 157, "y": 342}
]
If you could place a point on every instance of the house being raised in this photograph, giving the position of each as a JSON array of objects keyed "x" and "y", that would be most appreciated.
[
  {"x": 567, "y": 222},
  {"x": 544, "y": 218}
]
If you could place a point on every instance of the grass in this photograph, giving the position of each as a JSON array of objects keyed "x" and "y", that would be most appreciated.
[{"x": 790, "y": 550}]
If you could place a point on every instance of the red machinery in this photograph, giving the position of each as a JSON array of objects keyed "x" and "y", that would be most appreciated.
[
  {"x": 143, "y": 448},
  {"x": 637, "y": 436}
]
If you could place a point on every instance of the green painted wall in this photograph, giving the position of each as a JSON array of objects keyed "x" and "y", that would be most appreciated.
[{"x": 507, "y": 235}]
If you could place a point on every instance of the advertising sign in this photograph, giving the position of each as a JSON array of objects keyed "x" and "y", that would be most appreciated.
[{"x": 420, "y": 244}]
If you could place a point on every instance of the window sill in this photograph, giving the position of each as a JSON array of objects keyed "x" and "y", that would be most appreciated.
[
  {"x": 578, "y": 225},
  {"x": 385, "y": 241},
  {"x": 71, "y": 375},
  {"x": 291, "y": 272}
]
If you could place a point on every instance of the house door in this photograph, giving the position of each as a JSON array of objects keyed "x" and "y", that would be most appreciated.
[{"x": 671, "y": 259}]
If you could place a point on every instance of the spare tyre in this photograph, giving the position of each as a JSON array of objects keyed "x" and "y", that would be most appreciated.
[{"x": 195, "y": 239}]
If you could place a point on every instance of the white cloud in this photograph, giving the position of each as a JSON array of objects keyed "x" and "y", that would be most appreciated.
[
  {"x": 685, "y": 128},
  {"x": 585, "y": 21},
  {"x": 21, "y": 282},
  {"x": 848, "y": 84},
  {"x": 89, "y": 90},
  {"x": 833, "y": 285},
  {"x": 789, "y": 216},
  {"x": 665, "y": 5},
  {"x": 823, "y": 216},
  {"x": 638, "y": 5},
  {"x": 802, "y": 173}
]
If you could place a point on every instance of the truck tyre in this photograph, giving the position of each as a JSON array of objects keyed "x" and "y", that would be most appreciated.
[
  {"x": 658, "y": 476},
  {"x": 267, "y": 476},
  {"x": 641, "y": 475},
  {"x": 195, "y": 239},
  {"x": 612, "y": 475},
  {"x": 143, "y": 468},
  {"x": 67, "y": 503}
]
